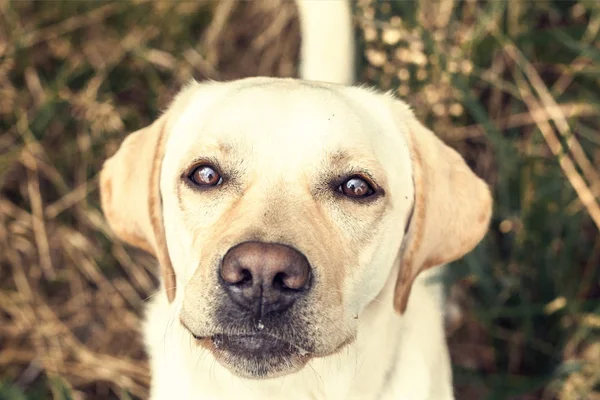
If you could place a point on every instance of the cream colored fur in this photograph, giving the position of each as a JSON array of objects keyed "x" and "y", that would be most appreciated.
[{"x": 374, "y": 318}]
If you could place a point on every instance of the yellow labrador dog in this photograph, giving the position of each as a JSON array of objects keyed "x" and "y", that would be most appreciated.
[{"x": 292, "y": 221}]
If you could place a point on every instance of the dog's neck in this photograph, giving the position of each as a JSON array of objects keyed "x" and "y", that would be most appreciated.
[{"x": 392, "y": 357}]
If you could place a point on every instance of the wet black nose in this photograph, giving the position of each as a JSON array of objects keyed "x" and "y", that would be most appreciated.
[{"x": 265, "y": 277}]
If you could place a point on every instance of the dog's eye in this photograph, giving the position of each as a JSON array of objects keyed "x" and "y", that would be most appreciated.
[
  {"x": 356, "y": 187},
  {"x": 206, "y": 175}
]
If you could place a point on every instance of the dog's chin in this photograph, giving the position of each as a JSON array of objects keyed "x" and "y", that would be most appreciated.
[{"x": 256, "y": 356}]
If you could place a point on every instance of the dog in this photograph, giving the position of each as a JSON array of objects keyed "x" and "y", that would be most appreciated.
[{"x": 299, "y": 226}]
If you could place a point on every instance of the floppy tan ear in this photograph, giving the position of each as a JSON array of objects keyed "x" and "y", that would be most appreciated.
[
  {"x": 130, "y": 195},
  {"x": 452, "y": 206}
]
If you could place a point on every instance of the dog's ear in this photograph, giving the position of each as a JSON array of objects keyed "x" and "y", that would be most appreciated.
[
  {"x": 130, "y": 195},
  {"x": 452, "y": 206}
]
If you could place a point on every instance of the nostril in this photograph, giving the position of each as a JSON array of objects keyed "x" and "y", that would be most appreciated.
[
  {"x": 291, "y": 281},
  {"x": 279, "y": 281},
  {"x": 236, "y": 276},
  {"x": 246, "y": 278}
]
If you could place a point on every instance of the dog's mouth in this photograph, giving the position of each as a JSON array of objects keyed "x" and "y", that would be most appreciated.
[
  {"x": 260, "y": 355},
  {"x": 252, "y": 345},
  {"x": 255, "y": 355}
]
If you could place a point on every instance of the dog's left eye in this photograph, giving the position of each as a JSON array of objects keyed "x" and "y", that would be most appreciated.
[
  {"x": 356, "y": 187},
  {"x": 205, "y": 175}
]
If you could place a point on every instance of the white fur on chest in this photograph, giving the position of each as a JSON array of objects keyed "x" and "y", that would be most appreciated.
[{"x": 392, "y": 358}]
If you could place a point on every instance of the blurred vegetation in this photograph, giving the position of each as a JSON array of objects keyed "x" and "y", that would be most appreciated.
[{"x": 513, "y": 85}]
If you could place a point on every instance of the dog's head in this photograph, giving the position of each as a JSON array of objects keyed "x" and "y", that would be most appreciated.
[{"x": 278, "y": 209}]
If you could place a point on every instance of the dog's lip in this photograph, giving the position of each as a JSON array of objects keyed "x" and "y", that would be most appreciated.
[
  {"x": 250, "y": 341},
  {"x": 255, "y": 343},
  {"x": 266, "y": 336}
]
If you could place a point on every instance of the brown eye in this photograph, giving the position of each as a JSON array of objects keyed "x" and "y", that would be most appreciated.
[
  {"x": 205, "y": 175},
  {"x": 356, "y": 187}
]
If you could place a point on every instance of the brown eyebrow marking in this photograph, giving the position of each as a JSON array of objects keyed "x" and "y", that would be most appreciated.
[
  {"x": 338, "y": 159},
  {"x": 341, "y": 161},
  {"x": 225, "y": 148}
]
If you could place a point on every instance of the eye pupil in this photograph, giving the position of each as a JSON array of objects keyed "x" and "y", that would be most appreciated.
[
  {"x": 357, "y": 187},
  {"x": 205, "y": 176}
]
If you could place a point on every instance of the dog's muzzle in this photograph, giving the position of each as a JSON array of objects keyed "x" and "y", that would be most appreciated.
[{"x": 259, "y": 327}]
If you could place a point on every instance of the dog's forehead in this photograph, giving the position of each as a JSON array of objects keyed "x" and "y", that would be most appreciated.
[
  {"x": 268, "y": 114},
  {"x": 298, "y": 115}
]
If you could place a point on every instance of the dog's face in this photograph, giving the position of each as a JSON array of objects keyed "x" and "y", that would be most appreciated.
[
  {"x": 283, "y": 206},
  {"x": 278, "y": 209}
]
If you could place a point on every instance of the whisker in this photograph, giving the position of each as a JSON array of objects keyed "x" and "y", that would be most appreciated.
[{"x": 160, "y": 291}]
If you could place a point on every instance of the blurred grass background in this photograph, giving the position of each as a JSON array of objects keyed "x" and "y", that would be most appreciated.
[{"x": 513, "y": 85}]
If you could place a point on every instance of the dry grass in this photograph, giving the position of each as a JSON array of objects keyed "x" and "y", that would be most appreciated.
[{"x": 514, "y": 86}]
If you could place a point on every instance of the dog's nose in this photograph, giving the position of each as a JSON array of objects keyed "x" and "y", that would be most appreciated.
[{"x": 265, "y": 277}]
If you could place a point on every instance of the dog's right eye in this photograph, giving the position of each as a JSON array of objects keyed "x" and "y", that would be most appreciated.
[
  {"x": 205, "y": 175},
  {"x": 356, "y": 187}
]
